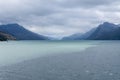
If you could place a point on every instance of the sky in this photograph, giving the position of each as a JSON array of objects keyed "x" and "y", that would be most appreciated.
[{"x": 58, "y": 18}]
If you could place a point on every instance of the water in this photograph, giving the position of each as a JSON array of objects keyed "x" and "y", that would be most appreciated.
[
  {"x": 16, "y": 51},
  {"x": 60, "y": 60}
]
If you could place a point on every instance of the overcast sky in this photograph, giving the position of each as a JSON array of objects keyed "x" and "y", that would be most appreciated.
[{"x": 59, "y": 18}]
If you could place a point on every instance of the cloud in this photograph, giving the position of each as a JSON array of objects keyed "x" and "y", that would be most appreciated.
[
  {"x": 86, "y": 3},
  {"x": 59, "y": 18}
]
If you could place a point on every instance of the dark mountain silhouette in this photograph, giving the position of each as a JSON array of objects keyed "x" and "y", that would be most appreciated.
[
  {"x": 106, "y": 31},
  {"x": 20, "y": 33},
  {"x": 5, "y": 37}
]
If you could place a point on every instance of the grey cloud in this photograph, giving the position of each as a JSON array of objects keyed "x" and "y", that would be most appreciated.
[
  {"x": 86, "y": 3},
  {"x": 59, "y": 17}
]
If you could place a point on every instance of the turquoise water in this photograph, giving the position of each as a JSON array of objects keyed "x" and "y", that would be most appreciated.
[{"x": 16, "y": 51}]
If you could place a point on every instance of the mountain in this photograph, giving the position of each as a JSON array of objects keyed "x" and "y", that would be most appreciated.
[
  {"x": 79, "y": 36},
  {"x": 86, "y": 35},
  {"x": 20, "y": 33},
  {"x": 72, "y": 37},
  {"x": 106, "y": 31},
  {"x": 5, "y": 37}
]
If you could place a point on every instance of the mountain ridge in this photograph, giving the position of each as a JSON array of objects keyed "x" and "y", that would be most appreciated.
[
  {"x": 20, "y": 33},
  {"x": 105, "y": 31}
]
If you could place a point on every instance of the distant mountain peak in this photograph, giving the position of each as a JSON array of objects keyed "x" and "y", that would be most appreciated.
[
  {"x": 12, "y": 24},
  {"x": 15, "y": 25},
  {"x": 107, "y": 24},
  {"x": 106, "y": 31},
  {"x": 21, "y": 33}
]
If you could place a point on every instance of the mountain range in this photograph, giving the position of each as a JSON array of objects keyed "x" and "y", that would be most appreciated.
[
  {"x": 79, "y": 36},
  {"x": 105, "y": 31},
  {"x": 20, "y": 33}
]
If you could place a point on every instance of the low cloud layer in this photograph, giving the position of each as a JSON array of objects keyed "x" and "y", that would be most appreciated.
[{"x": 59, "y": 18}]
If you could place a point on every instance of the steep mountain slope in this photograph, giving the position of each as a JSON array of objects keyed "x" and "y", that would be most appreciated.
[
  {"x": 79, "y": 36},
  {"x": 106, "y": 31},
  {"x": 86, "y": 35},
  {"x": 20, "y": 33}
]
